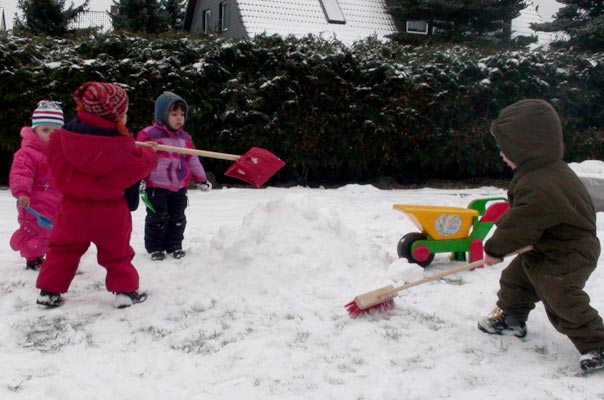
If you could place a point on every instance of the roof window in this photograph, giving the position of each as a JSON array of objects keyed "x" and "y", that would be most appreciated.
[{"x": 333, "y": 12}]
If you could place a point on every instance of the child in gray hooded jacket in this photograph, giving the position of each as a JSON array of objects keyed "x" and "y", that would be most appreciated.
[{"x": 166, "y": 186}]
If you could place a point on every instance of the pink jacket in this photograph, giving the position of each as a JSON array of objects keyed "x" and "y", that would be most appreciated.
[
  {"x": 30, "y": 176},
  {"x": 173, "y": 170}
]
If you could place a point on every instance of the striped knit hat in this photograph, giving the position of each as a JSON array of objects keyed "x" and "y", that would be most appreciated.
[
  {"x": 47, "y": 113},
  {"x": 102, "y": 99}
]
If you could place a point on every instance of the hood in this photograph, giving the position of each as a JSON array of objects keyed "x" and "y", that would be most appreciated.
[
  {"x": 31, "y": 139},
  {"x": 164, "y": 103},
  {"x": 94, "y": 155},
  {"x": 529, "y": 133}
]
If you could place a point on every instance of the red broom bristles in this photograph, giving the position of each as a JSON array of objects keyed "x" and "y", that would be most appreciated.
[{"x": 354, "y": 311}]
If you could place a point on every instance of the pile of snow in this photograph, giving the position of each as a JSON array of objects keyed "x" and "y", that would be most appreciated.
[
  {"x": 591, "y": 168},
  {"x": 256, "y": 311},
  {"x": 591, "y": 173}
]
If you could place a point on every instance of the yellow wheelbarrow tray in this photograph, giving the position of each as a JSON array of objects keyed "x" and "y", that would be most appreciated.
[
  {"x": 456, "y": 230},
  {"x": 440, "y": 222}
]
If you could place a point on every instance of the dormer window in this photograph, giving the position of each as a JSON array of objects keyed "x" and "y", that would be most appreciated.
[
  {"x": 333, "y": 12},
  {"x": 417, "y": 27}
]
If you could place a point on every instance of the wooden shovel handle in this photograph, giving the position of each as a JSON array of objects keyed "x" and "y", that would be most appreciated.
[
  {"x": 452, "y": 271},
  {"x": 186, "y": 150}
]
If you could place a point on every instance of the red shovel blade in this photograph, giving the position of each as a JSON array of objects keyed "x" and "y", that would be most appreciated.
[{"x": 255, "y": 167}]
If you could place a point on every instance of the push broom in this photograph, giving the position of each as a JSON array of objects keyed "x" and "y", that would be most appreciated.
[{"x": 383, "y": 299}]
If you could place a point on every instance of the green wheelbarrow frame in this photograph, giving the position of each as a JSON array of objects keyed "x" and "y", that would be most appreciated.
[{"x": 420, "y": 248}]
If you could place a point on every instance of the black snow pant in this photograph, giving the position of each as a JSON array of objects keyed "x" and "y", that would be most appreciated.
[
  {"x": 165, "y": 228},
  {"x": 559, "y": 284}
]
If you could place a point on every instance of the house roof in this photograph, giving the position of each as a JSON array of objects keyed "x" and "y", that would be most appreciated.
[
  {"x": 92, "y": 19},
  {"x": 301, "y": 17},
  {"x": 521, "y": 26},
  {"x": 364, "y": 18}
]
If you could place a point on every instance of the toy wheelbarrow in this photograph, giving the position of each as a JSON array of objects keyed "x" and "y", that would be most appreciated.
[
  {"x": 254, "y": 167},
  {"x": 449, "y": 229}
]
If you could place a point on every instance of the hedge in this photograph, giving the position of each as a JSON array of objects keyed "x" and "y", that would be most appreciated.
[{"x": 335, "y": 114}]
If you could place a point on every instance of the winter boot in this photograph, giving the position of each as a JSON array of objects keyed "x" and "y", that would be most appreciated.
[
  {"x": 592, "y": 360},
  {"x": 49, "y": 299},
  {"x": 158, "y": 256},
  {"x": 178, "y": 254},
  {"x": 123, "y": 300},
  {"x": 501, "y": 323},
  {"x": 35, "y": 264}
]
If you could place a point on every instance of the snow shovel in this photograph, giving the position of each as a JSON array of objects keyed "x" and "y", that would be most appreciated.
[
  {"x": 254, "y": 167},
  {"x": 43, "y": 221},
  {"x": 383, "y": 299}
]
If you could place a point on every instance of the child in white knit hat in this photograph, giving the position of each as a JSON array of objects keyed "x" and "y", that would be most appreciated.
[{"x": 32, "y": 184}]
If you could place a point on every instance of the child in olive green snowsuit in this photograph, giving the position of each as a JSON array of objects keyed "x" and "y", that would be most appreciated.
[{"x": 551, "y": 210}]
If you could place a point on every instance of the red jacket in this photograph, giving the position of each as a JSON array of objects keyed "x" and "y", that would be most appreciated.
[{"x": 90, "y": 167}]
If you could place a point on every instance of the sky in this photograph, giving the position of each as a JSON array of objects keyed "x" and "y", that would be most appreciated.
[
  {"x": 547, "y": 8},
  {"x": 255, "y": 311}
]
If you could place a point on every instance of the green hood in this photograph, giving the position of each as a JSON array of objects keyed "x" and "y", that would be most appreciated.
[{"x": 529, "y": 133}]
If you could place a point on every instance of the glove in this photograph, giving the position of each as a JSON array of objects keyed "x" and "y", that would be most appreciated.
[{"x": 205, "y": 186}]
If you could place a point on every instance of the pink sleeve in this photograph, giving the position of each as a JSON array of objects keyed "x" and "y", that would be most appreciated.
[
  {"x": 197, "y": 169},
  {"x": 22, "y": 174},
  {"x": 142, "y": 135}
]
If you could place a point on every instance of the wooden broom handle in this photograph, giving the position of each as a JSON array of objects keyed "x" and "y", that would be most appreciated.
[
  {"x": 452, "y": 271},
  {"x": 186, "y": 150}
]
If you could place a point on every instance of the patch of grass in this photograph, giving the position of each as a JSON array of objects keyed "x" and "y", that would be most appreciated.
[
  {"x": 202, "y": 343},
  {"x": 541, "y": 350},
  {"x": 392, "y": 334},
  {"x": 301, "y": 337},
  {"x": 18, "y": 284},
  {"x": 97, "y": 286},
  {"x": 432, "y": 321},
  {"x": 155, "y": 332},
  {"x": 52, "y": 334},
  {"x": 18, "y": 386}
]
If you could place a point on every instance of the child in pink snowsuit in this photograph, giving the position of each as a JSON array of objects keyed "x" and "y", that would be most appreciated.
[{"x": 32, "y": 184}]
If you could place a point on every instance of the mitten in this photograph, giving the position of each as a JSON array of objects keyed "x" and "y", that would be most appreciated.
[{"x": 205, "y": 186}]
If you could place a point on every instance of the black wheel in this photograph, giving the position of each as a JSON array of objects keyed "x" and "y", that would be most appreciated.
[{"x": 404, "y": 248}]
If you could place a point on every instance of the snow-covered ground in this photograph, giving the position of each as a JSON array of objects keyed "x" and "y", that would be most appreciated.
[{"x": 256, "y": 311}]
